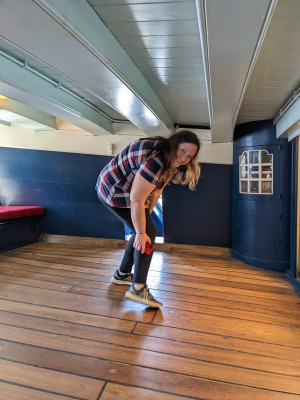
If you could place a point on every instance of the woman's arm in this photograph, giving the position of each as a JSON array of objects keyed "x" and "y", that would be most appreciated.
[
  {"x": 140, "y": 191},
  {"x": 153, "y": 199},
  {"x": 156, "y": 195}
]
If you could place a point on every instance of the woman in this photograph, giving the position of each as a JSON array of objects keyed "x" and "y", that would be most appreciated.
[{"x": 130, "y": 185}]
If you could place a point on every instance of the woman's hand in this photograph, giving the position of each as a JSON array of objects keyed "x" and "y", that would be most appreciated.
[
  {"x": 140, "y": 191},
  {"x": 140, "y": 241}
]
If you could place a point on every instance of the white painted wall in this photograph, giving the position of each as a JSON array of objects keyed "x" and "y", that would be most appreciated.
[
  {"x": 71, "y": 139},
  {"x": 289, "y": 124},
  {"x": 74, "y": 141}
]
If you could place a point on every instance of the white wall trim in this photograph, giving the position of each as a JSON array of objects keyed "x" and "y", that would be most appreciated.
[
  {"x": 288, "y": 126},
  {"x": 71, "y": 139}
]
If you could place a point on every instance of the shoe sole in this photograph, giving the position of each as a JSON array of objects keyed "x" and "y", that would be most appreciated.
[
  {"x": 137, "y": 299},
  {"x": 119, "y": 282}
]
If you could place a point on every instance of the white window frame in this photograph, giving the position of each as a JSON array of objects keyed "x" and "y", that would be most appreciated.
[{"x": 256, "y": 175}]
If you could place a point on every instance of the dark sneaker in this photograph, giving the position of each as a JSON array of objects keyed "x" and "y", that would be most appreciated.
[
  {"x": 118, "y": 279},
  {"x": 142, "y": 296}
]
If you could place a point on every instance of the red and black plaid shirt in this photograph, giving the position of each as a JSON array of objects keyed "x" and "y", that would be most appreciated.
[{"x": 115, "y": 180}]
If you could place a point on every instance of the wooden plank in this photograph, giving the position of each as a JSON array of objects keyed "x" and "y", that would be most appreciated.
[
  {"x": 258, "y": 331},
  {"x": 50, "y": 381},
  {"x": 261, "y": 291},
  {"x": 121, "y": 392},
  {"x": 168, "y": 292},
  {"x": 14, "y": 392},
  {"x": 218, "y": 341},
  {"x": 269, "y": 277},
  {"x": 96, "y": 269},
  {"x": 154, "y": 379},
  {"x": 190, "y": 287},
  {"x": 96, "y": 242},
  {"x": 186, "y": 262},
  {"x": 226, "y": 329},
  {"x": 69, "y": 301},
  {"x": 54, "y": 281},
  {"x": 57, "y": 271},
  {"x": 77, "y": 241},
  {"x": 34, "y": 283},
  {"x": 236, "y": 302},
  {"x": 235, "y": 313},
  {"x": 52, "y": 260},
  {"x": 40, "y": 274},
  {"x": 167, "y": 258},
  {"x": 229, "y": 294},
  {"x": 161, "y": 256},
  {"x": 106, "y": 257},
  {"x": 273, "y": 318},
  {"x": 200, "y": 270},
  {"x": 188, "y": 350},
  {"x": 156, "y": 361},
  {"x": 67, "y": 315},
  {"x": 248, "y": 303},
  {"x": 158, "y": 256}
]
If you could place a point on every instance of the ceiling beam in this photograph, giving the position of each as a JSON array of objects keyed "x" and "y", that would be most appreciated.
[
  {"x": 230, "y": 44},
  {"x": 22, "y": 85},
  {"x": 28, "y": 112},
  {"x": 74, "y": 41},
  {"x": 6, "y": 123}
]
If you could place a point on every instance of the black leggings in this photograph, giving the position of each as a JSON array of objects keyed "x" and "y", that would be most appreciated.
[{"x": 132, "y": 256}]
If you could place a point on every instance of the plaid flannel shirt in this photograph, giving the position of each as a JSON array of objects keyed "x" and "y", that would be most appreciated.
[{"x": 115, "y": 180}]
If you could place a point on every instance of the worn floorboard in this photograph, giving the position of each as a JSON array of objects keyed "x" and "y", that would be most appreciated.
[{"x": 226, "y": 331}]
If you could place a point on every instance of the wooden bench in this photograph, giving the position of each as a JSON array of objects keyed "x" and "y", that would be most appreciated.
[{"x": 19, "y": 226}]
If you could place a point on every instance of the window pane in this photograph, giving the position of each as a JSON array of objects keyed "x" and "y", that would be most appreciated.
[
  {"x": 266, "y": 187},
  {"x": 244, "y": 158},
  {"x": 254, "y": 171},
  {"x": 266, "y": 157},
  {"x": 266, "y": 175},
  {"x": 254, "y": 187},
  {"x": 244, "y": 172},
  {"x": 244, "y": 186},
  {"x": 254, "y": 157},
  {"x": 266, "y": 168}
]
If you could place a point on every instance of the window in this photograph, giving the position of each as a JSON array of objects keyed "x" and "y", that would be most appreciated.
[{"x": 256, "y": 172}]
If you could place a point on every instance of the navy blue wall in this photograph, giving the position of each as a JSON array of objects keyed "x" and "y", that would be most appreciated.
[
  {"x": 64, "y": 184},
  {"x": 202, "y": 217},
  {"x": 261, "y": 223}
]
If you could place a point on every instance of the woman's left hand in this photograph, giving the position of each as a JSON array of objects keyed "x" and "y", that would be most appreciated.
[{"x": 140, "y": 241}]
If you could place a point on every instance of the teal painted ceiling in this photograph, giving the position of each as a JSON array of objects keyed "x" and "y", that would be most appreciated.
[{"x": 154, "y": 64}]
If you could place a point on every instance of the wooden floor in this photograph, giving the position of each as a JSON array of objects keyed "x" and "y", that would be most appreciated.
[{"x": 226, "y": 331}]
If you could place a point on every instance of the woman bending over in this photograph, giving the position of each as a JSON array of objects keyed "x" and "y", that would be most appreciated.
[{"x": 130, "y": 185}]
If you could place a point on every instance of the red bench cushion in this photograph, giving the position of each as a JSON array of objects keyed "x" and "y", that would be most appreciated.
[{"x": 12, "y": 212}]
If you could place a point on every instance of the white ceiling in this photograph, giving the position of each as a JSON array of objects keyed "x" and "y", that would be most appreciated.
[{"x": 155, "y": 64}]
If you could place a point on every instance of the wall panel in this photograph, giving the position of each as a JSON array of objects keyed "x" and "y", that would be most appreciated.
[
  {"x": 64, "y": 184},
  {"x": 202, "y": 217}
]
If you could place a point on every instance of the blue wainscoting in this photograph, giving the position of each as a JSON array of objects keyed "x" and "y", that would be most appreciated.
[
  {"x": 64, "y": 184},
  {"x": 201, "y": 217},
  {"x": 261, "y": 223}
]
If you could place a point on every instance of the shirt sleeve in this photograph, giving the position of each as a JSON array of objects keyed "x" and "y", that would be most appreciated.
[{"x": 150, "y": 168}]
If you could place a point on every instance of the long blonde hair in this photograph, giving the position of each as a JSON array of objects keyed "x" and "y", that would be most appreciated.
[{"x": 187, "y": 174}]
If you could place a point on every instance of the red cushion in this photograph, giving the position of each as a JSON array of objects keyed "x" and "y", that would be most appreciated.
[{"x": 12, "y": 212}]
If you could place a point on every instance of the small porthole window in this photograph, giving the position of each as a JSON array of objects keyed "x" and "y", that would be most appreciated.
[{"x": 256, "y": 172}]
